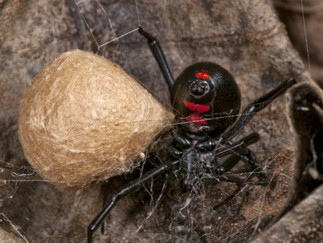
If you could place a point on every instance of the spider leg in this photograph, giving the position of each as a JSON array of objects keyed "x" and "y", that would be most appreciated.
[
  {"x": 256, "y": 106},
  {"x": 237, "y": 147},
  {"x": 129, "y": 188},
  {"x": 249, "y": 159},
  {"x": 104, "y": 189},
  {"x": 159, "y": 56}
]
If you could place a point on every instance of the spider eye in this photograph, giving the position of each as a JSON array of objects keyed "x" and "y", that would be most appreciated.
[{"x": 199, "y": 88}]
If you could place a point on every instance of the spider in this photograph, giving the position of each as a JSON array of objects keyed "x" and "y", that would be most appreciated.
[{"x": 206, "y": 101}]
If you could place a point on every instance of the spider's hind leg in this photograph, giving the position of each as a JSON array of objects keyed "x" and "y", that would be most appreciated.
[
  {"x": 255, "y": 107},
  {"x": 159, "y": 56}
]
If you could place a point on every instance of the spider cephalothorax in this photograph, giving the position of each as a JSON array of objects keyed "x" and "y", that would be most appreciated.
[{"x": 206, "y": 101}]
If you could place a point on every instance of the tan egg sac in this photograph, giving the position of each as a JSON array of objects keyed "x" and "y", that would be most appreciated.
[{"x": 84, "y": 118}]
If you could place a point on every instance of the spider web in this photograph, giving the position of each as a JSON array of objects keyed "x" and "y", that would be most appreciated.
[
  {"x": 182, "y": 215},
  {"x": 219, "y": 213},
  {"x": 113, "y": 19}
]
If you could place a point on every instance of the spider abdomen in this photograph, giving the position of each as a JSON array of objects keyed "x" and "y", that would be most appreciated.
[{"x": 206, "y": 98}]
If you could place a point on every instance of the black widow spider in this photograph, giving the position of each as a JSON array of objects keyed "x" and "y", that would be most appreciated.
[{"x": 206, "y": 100}]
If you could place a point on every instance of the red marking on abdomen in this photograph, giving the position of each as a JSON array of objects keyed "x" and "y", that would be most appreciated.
[
  {"x": 196, "y": 107},
  {"x": 195, "y": 117},
  {"x": 202, "y": 75}
]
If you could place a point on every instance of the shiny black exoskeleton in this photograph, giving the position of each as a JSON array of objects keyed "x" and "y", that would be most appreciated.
[
  {"x": 207, "y": 96},
  {"x": 206, "y": 100}
]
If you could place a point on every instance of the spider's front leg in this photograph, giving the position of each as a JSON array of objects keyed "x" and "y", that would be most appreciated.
[
  {"x": 130, "y": 188},
  {"x": 246, "y": 156},
  {"x": 238, "y": 151}
]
